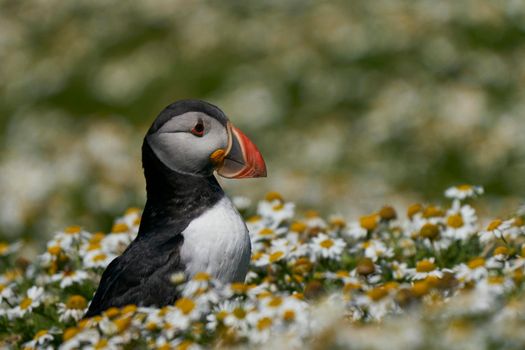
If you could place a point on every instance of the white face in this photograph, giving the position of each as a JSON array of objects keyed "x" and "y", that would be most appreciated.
[{"x": 185, "y": 142}]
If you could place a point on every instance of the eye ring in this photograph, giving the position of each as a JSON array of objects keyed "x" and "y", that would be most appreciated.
[{"x": 198, "y": 129}]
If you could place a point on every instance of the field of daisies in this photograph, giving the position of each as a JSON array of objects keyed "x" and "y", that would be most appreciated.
[{"x": 422, "y": 277}]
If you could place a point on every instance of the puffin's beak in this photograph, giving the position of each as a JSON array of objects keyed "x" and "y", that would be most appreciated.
[{"x": 243, "y": 159}]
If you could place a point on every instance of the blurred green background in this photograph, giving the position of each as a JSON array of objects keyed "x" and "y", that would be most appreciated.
[{"x": 354, "y": 104}]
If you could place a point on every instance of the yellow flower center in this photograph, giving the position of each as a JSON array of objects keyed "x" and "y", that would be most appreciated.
[
  {"x": 264, "y": 294},
  {"x": 221, "y": 315},
  {"x": 272, "y": 196},
  {"x": 475, "y": 263},
  {"x": 239, "y": 313},
  {"x": 239, "y": 287},
  {"x": 94, "y": 246},
  {"x": 275, "y": 302},
  {"x": 275, "y": 256},
  {"x": 266, "y": 232},
  {"x": 433, "y": 281},
  {"x": 70, "y": 333},
  {"x": 368, "y": 222},
  {"x": 3, "y": 248},
  {"x": 388, "y": 213},
  {"x": 365, "y": 267},
  {"x": 327, "y": 243},
  {"x": 54, "y": 250},
  {"x": 464, "y": 188},
  {"x": 377, "y": 293},
  {"x": 122, "y": 323},
  {"x": 518, "y": 222},
  {"x": 264, "y": 323},
  {"x": 257, "y": 255},
  {"x": 455, "y": 221},
  {"x": 342, "y": 274},
  {"x": 432, "y": 212},
  {"x": 119, "y": 228},
  {"x": 298, "y": 226},
  {"x": 202, "y": 276},
  {"x": 129, "y": 309},
  {"x": 72, "y": 230},
  {"x": 414, "y": 209},
  {"x": 391, "y": 285},
  {"x": 494, "y": 224},
  {"x": 289, "y": 315},
  {"x": 26, "y": 303},
  {"x": 97, "y": 237},
  {"x": 278, "y": 207},
  {"x": 420, "y": 288},
  {"x": 77, "y": 302},
  {"x": 102, "y": 343},
  {"x": 338, "y": 222},
  {"x": 496, "y": 279},
  {"x": 99, "y": 257},
  {"x": 131, "y": 211},
  {"x": 2, "y": 287},
  {"x": 151, "y": 326},
  {"x": 429, "y": 231},
  {"x": 86, "y": 321},
  {"x": 425, "y": 266},
  {"x": 311, "y": 214},
  {"x": 184, "y": 345},
  {"x": 185, "y": 305},
  {"x": 40, "y": 334},
  {"x": 501, "y": 251},
  {"x": 112, "y": 312},
  {"x": 253, "y": 219}
]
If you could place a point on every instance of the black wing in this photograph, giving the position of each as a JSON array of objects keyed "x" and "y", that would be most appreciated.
[{"x": 140, "y": 276}]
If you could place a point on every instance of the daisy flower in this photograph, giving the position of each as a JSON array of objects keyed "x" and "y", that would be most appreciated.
[
  {"x": 235, "y": 316},
  {"x": 399, "y": 270},
  {"x": 426, "y": 268},
  {"x": 73, "y": 309},
  {"x": 495, "y": 229},
  {"x": 7, "y": 249},
  {"x": 131, "y": 219},
  {"x": 6, "y": 292},
  {"x": 69, "y": 237},
  {"x": 326, "y": 247},
  {"x": 261, "y": 326},
  {"x": 279, "y": 250},
  {"x": 68, "y": 278},
  {"x": 355, "y": 231},
  {"x": 275, "y": 209},
  {"x": 97, "y": 258},
  {"x": 474, "y": 270},
  {"x": 32, "y": 300},
  {"x": 118, "y": 240},
  {"x": 314, "y": 222},
  {"x": 375, "y": 249},
  {"x": 463, "y": 192},
  {"x": 461, "y": 223},
  {"x": 41, "y": 340}
]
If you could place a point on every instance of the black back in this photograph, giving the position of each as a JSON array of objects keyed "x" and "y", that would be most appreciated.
[{"x": 141, "y": 275}]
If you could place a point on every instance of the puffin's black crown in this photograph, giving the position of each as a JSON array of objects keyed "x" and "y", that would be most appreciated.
[{"x": 185, "y": 106}]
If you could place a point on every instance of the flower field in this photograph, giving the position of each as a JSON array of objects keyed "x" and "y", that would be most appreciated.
[{"x": 428, "y": 276}]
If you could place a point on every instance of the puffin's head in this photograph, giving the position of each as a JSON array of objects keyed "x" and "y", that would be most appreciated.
[{"x": 195, "y": 137}]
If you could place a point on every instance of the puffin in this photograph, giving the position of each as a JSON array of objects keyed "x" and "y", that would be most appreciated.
[{"x": 188, "y": 224}]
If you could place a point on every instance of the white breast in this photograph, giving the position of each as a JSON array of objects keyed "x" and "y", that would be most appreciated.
[{"x": 217, "y": 242}]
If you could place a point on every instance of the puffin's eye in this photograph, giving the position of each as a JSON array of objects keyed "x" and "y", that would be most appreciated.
[{"x": 198, "y": 129}]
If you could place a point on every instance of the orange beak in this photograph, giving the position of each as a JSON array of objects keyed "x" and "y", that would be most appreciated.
[{"x": 242, "y": 159}]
